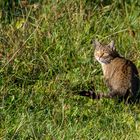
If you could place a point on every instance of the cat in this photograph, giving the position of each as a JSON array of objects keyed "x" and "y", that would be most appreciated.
[{"x": 120, "y": 75}]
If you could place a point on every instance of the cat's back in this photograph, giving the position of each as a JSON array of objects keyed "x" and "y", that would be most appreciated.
[
  {"x": 124, "y": 66},
  {"x": 119, "y": 68},
  {"x": 121, "y": 73}
]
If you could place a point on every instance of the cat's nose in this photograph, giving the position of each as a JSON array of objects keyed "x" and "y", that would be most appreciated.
[{"x": 100, "y": 56}]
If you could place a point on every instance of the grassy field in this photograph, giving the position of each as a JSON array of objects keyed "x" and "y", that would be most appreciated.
[{"x": 46, "y": 58}]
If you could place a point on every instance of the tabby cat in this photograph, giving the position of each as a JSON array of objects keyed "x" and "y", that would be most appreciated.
[{"x": 120, "y": 75}]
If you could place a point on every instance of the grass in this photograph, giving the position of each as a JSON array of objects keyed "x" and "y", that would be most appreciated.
[{"x": 46, "y": 58}]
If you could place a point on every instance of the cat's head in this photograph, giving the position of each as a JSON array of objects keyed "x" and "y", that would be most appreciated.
[{"x": 104, "y": 54}]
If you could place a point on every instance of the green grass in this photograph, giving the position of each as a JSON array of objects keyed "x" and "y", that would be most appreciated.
[{"x": 48, "y": 60}]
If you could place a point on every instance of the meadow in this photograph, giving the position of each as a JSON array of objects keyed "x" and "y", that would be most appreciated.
[{"x": 46, "y": 59}]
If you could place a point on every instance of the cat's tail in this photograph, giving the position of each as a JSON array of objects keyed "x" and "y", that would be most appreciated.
[{"x": 91, "y": 94}]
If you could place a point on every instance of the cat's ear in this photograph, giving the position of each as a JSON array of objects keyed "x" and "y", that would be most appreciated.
[
  {"x": 96, "y": 43},
  {"x": 111, "y": 45}
]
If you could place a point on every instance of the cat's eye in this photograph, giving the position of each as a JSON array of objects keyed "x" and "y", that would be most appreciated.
[
  {"x": 98, "y": 53},
  {"x": 105, "y": 54}
]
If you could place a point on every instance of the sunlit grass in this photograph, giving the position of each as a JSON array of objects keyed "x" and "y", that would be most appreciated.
[{"x": 46, "y": 58}]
